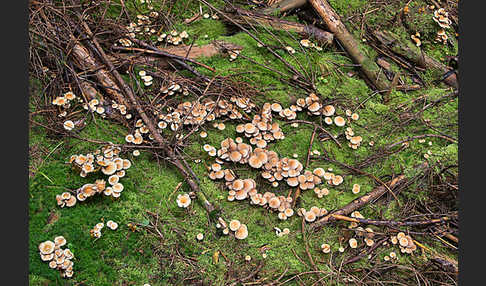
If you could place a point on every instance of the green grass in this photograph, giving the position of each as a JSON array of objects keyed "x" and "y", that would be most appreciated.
[{"x": 123, "y": 257}]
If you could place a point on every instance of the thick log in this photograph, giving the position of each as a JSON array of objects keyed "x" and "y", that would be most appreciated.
[
  {"x": 336, "y": 26},
  {"x": 414, "y": 54},
  {"x": 247, "y": 18}
]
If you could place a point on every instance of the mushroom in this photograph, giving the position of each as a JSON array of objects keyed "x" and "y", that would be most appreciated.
[
  {"x": 68, "y": 125},
  {"x": 241, "y": 232},
  {"x": 47, "y": 247},
  {"x": 183, "y": 200},
  {"x": 353, "y": 243},
  {"x": 356, "y": 188},
  {"x": 326, "y": 248},
  {"x": 310, "y": 216},
  {"x": 199, "y": 236},
  {"x": 339, "y": 121}
]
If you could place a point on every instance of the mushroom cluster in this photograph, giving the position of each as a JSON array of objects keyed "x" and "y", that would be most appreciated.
[
  {"x": 105, "y": 159},
  {"x": 405, "y": 242},
  {"x": 321, "y": 192},
  {"x": 441, "y": 17},
  {"x": 173, "y": 37},
  {"x": 367, "y": 234},
  {"x": 355, "y": 214},
  {"x": 96, "y": 230},
  {"x": 100, "y": 107},
  {"x": 58, "y": 258},
  {"x": 175, "y": 88},
  {"x": 261, "y": 130},
  {"x": 66, "y": 199},
  {"x": 354, "y": 141},
  {"x": 306, "y": 43},
  {"x": 198, "y": 113},
  {"x": 65, "y": 100},
  {"x": 147, "y": 79},
  {"x": 240, "y": 229},
  {"x": 312, "y": 214}
]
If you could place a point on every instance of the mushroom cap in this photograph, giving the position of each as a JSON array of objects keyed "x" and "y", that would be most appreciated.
[
  {"x": 68, "y": 125},
  {"x": 339, "y": 121},
  {"x": 110, "y": 168},
  {"x": 353, "y": 243},
  {"x": 47, "y": 247},
  {"x": 289, "y": 212},
  {"x": 356, "y": 188},
  {"x": 235, "y": 156},
  {"x": 71, "y": 201},
  {"x": 113, "y": 179},
  {"x": 47, "y": 257},
  {"x": 326, "y": 248},
  {"x": 274, "y": 202},
  {"x": 282, "y": 216},
  {"x": 237, "y": 185},
  {"x": 255, "y": 162},
  {"x": 293, "y": 181},
  {"x": 242, "y": 232},
  {"x": 319, "y": 172},
  {"x": 403, "y": 241},
  {"x": 52, "y": 264},
  {"x": 310, "y": 216},
  {"x": 336, "y": 180},
  {"x": 118, "y": 187},
  {"x": 126, "y": 164},
  {"x": 315, "y": 210},
  {"x": 234, "y": 224},
  {"x": 216, "y": 167},
  {"x": 183, "y": 200}
]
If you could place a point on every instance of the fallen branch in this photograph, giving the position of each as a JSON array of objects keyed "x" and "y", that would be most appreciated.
[
  {"x": 390, "y": 223},
  {"x": 415, "y": 55},
  {"x": 247, "y": 18},
  {"x": 334, "y": 24},
  {"x": 359, "y": 202}
]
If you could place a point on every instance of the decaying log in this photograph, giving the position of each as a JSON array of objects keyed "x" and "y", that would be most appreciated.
[
  {"x": 359, "y": 202},
  {"x": 194, "y": 52},
  {"x": 414, "y": 54},
  {"x": 86, "y": 62},
  {"x": 280, "y": 7},
  {"x": 336, "y": 26},
  {"x": 247, "y": 18}
]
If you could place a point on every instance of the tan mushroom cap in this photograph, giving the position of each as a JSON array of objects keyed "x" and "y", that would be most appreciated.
[
  {"x": 109, "y": 169},
  {"x": 337, "y": 180},
  {"x": 326, "y": 248},
  {"x": 339, "y": 121},
  {"x": 274, "y": 202},
  {"x": 71, "y": 201},
  {"x": 242, "y": 232},
  {"x": 237, "y": 184},
  {"x": 235, "y": 156},
  {"x": 117, "y": 188},
  {"x": 356, "y": 188},
  {"x": 52, "y": 264},
  {"x": 47, "y": 247},
  {"x": 310, "y": 216},
  {"x": 234, "y": 224},
  {"x": 293, "y": 181},
  {"x": 353, "y": 243},
  {"x": 113, "y": 179}
]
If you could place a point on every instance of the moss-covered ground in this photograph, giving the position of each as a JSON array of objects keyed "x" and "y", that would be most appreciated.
[{"x": 123, "y": 257}]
